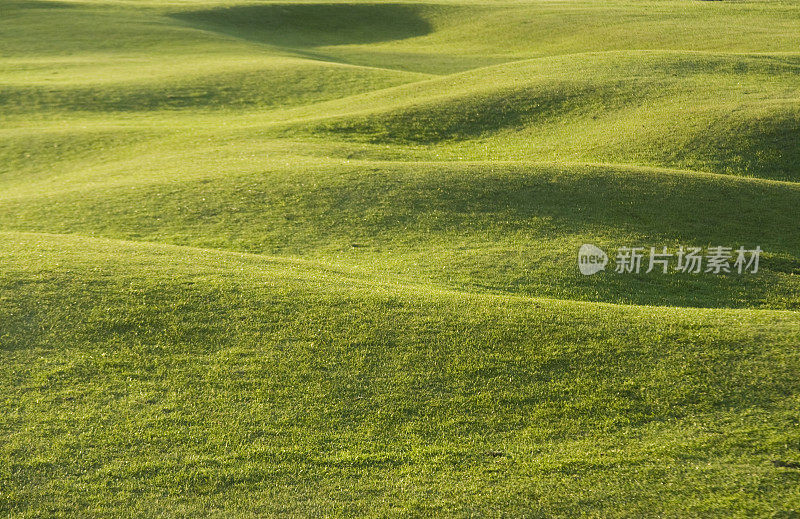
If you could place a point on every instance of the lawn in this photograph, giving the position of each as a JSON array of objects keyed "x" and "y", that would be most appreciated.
[{"x": 320, "y": 259}]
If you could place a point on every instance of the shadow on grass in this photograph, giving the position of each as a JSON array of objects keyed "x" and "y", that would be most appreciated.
[
  {"x": 34, "y": 4},
  {"x": 312, "y": 25}
]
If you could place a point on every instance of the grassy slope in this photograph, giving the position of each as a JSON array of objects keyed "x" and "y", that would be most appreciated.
[
  {"x": 511, "y": 227},
  {"x": 406, "y": 331},
  {"x": 209, "y": 381}
]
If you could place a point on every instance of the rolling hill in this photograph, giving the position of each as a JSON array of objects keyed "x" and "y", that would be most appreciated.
[{"x": 319, "y": 258}]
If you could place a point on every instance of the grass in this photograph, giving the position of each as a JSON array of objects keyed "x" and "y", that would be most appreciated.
[{"x": 318, "y": 259}]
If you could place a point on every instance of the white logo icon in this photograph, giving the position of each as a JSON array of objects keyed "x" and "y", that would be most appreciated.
[{"x": 591, "y": 259}]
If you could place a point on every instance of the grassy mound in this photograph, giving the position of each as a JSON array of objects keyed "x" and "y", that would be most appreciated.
[
  {"x": 721, "y": 113},
  {"x": 464, "y": 226}
]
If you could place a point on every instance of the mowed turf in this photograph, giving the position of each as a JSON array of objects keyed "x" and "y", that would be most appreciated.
[{"x": 319, "y": 259}]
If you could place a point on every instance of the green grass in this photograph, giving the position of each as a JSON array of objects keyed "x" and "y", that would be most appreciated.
[{"x": 319, "y": 259}]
